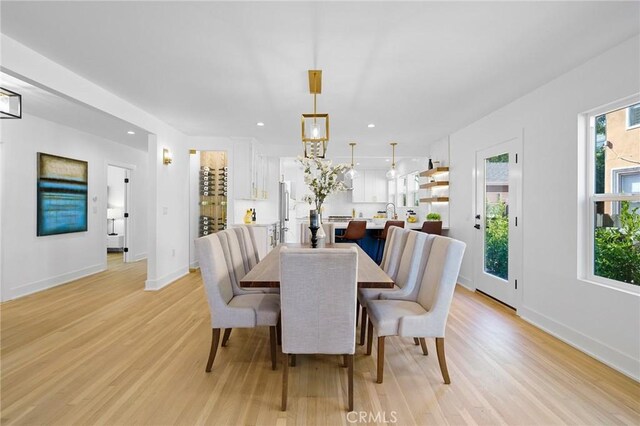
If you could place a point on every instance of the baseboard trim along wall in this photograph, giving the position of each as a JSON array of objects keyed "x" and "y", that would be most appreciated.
[
  {"x": 138, "y": 257},
  {"x": 157, "y": 284},
  {"x": 466, "y": 283},
  {"x": 617, "y": 360},
  {"x": 47, "y": 283}
]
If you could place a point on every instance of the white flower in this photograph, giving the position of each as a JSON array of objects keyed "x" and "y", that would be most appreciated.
[{"x": 322, "y": 178}]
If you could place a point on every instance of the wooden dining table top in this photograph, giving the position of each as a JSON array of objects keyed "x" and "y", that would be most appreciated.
[{"x": 267, "y": 272}]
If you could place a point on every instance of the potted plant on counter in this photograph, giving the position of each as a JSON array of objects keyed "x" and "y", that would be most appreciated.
[{"x": 434, "y": 217}]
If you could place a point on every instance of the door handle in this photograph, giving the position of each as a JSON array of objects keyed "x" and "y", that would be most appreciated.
[{"x": 476, "y": 226}]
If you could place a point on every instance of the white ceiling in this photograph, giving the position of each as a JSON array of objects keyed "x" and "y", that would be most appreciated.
[
  {"x": 53, "y": 107},
  {"x": 418, "y": 70}
]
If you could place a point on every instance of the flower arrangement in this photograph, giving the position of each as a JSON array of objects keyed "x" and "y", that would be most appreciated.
[{"x": 322, "y": 178}]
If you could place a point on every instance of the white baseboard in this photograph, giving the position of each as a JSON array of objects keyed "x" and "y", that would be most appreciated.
[
  {"x": 194, "y": 265},
  {"x": 139, "y": 256},
  {"x": 26, "y": 289},
  {"x": 466, "y": 283},
  {"x": 617, "y": 360},
  {"x": 157, "y": 284}
]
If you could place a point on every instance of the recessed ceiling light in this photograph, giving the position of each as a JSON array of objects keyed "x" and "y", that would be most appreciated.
[
  {"x": 386, "y": 159},
  {"x": 260, "y": 124},
  {"x": 371, "y": 125},
  {"x": 357, "y": 164},
  {"x": 131, "y": 132}
]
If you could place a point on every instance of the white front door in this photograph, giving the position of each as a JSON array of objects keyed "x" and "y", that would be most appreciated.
[{"x": 498, "y": 236}]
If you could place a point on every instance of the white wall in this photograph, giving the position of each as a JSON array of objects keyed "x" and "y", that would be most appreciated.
[
  {"x": 599, "y": 320},
  {"x": 34, "y": 263},
  {"x": 167, "y": 186}
]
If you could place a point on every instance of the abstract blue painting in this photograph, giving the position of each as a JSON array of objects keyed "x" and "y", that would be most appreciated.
[{"x": 62, "y": 195}]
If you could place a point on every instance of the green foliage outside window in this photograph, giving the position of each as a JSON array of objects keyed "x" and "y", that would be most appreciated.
[
  {"x": 617, "y": 250},
  {"x": 496, "y": 260}
]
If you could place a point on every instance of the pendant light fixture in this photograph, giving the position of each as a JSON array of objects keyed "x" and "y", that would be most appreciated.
[
  {"x": 10, "y": 104},
  {"x": 315, "y": 127},
  {"x": 352, "y": 173},
  {"x": 393, "y": 173}
]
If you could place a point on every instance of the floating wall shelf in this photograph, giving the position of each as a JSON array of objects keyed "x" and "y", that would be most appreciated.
[
  {"x": 433, "y": 172},
  {"x": 429, "y": 185},
  {"x": 435, "y": 200}
]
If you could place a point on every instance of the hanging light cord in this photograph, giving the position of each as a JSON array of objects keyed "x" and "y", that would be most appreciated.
[
  {"x": 393, "y": 151},
  {"x": 352, "y": 145}
]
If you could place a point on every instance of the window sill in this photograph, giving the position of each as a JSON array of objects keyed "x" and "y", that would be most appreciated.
[{"x": 631, "y": 289}]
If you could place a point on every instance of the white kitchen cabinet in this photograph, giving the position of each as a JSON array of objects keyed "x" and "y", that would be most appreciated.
[
  {"x": 250, "y": 172},
  {"x": 370, "y": 186}
]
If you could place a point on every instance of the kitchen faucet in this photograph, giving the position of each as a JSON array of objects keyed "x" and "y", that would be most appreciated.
[{"x": 395, "y": 216}]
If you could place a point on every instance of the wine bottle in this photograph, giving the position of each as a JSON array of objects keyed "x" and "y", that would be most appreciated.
[{"x": 253, "y": 216}]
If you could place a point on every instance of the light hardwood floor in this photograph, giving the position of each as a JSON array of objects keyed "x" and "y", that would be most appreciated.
[{"x": 103, "y": 351}]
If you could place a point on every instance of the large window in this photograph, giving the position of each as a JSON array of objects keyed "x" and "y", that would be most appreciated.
[{"x": 614, "y": 199}]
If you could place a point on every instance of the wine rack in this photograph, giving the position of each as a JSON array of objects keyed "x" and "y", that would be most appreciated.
[{"x": 213, "y": 192}]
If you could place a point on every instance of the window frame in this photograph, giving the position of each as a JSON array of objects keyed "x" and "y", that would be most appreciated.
[
  {"x": 628, "y": 117},
  {"x": 591, "y": 197}
]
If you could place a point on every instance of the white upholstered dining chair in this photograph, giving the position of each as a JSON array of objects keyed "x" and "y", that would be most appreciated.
[
  {"x": 233, "y": 243},
  {"x": 394, "y": 245},
  {"x": 423, "y": 313},
  {"x": 230, "y": 310},
  {"x": 318, "y": 296},
  {"x": 247, "y": 247},
  {"x": 411, "y": 263},
  {"x": 329, "y": 229}
]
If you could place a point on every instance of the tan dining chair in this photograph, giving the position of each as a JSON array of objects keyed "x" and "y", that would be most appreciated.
[
  {"x": 329, "y": 229},
  {"x": 356, "y": 231},
  {"x": 412, "y": 263},
  {"x": 229, "y": 310},
  {"x": 423, "y": 313},
  {"x": 318, "y": 296},
  {"x": 382, "y": 237},
  {"x": 432, "y": 227}
]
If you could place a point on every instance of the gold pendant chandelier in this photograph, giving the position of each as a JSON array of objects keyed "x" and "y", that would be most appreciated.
[{"x": 315, "y": 127}]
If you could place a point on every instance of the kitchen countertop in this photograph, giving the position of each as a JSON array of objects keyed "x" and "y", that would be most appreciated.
[{"x": 373, "y": 225}]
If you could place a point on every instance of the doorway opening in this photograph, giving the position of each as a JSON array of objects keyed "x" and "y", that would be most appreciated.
[{"x": 118, "y": 227}]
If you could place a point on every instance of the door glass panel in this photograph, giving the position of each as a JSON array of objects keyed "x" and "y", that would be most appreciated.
[{"x": 496, "y": 213}]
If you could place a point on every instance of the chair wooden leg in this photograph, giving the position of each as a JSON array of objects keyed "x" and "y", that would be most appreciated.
[
  {"x": 363, "y": 325},
  {"x": 345, "y": 363},
  {"x": 349, "y": 359},
  {"x": 215, "y": 339},
  {"x": 272, "y": 342},
  {"x": 380, "y": 358},
  {"x": 442, "y": 360},
  {"x": 293, "y": 360},
  {"x": 357, "y": 312},
  {"x": 279, "y": 332},
  {"x": 423, "y": 343},
  {"x": 225, "y": 338},
  {"x": 285, "y": 380},
  {"x": 416, "y": 341},
  {"x": 369, "y": 337}
]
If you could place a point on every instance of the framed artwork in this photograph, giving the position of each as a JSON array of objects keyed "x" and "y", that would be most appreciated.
[{"x": 62, "y": 195}]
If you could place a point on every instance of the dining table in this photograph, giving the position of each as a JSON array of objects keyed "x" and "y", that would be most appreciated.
[{"x": 267, "y": 272}]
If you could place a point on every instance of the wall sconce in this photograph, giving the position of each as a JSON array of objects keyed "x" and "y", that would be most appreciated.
[{"x": 167, "y": 158}]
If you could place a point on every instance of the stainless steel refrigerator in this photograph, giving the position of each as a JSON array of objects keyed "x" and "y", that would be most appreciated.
[{"x": 284, "y": 224}]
